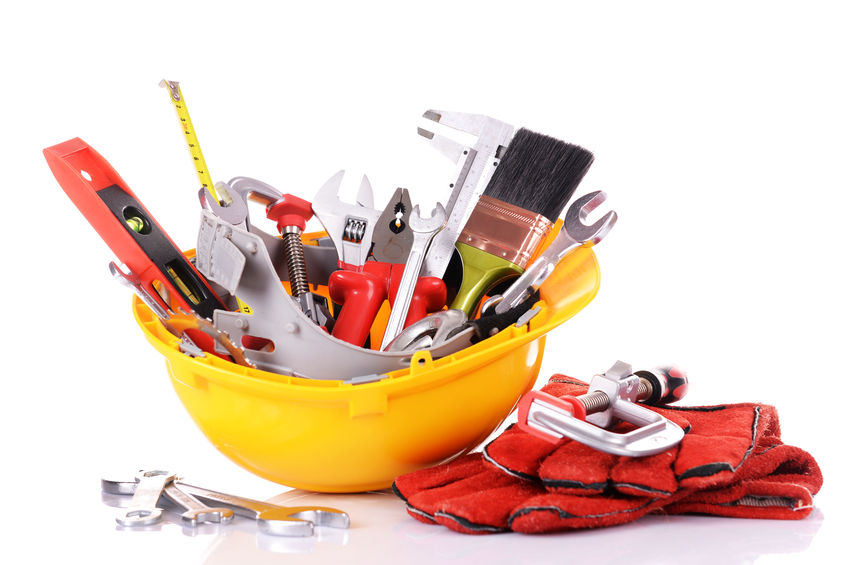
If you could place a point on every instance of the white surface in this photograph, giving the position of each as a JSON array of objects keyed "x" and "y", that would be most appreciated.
[{"x": 719, "y": 135}]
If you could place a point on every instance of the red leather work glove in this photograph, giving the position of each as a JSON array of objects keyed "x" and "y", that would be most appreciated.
[{"x": 730, "y": 463}]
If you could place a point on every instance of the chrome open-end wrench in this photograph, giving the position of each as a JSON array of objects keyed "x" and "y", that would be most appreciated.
[
  {"x": 429, "y": 331},
  {"x": 475, "y": 166},
  {"x": 273, "y": 519},
  {"x": 142, "y": 510},
  {"x": 194, "y": 511},
  {"x": 238, "y": 191},
  {"x": 575, "y": 233},
  {"x": 423, "y": 230},
  {"x": 295, "y": 521}
]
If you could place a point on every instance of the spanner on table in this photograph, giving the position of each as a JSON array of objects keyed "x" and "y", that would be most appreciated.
[
  {"x": 271, "y": 518},
  {"x": 574, "y": 233},
  {"x": 195, "y": 512},
  {"x": 274, "y": 519},
  {"x": 423, "y": 230},
  {"x": 475, "y": 166},
  {"x": 142, "y": 510}
]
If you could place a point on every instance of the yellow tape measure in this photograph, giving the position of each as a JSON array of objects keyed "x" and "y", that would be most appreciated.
[
  {"x": 196, "y": 154},
  {"x": 190, "y": 136}
]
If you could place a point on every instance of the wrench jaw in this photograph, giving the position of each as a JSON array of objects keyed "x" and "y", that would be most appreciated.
[
  {"x": 423, "y": 230},
  {"x": 577, "y": 214},
  {"x": 300, "y": 521},
  {"x": 235, "y": 212},
  {"x": 193, "y": 518},
  {"x": 288, "y": 527},
  {"x": 139, "y": 517},
  {"x": 142, "y": 510},
  {"x": 321, "y": 516},
  {"x": 575, "y": 233},
  {"x": 349, "y": 226},
  {"x": 365, "y": 196}
]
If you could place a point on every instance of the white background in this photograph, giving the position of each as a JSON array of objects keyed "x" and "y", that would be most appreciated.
[{"x": 718, "y": 133}]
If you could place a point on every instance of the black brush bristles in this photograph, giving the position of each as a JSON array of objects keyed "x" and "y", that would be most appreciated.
[{"x": 539, "y": 173}]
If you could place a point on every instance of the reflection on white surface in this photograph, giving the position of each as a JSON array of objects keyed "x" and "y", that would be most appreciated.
[{"x": 382, "y": 532}]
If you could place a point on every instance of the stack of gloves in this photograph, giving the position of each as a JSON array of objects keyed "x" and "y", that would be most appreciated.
[{"x": 731, "y": 462}]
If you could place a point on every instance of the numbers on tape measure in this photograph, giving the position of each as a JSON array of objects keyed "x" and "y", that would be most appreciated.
[{"x": 190, "y": 135}]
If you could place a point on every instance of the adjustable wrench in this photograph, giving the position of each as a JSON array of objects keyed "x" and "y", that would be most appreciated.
[
  {"x": 423, "y": 230},
  {"x": 350, "y": 226},
  {"x": 362, "y": 285},
  {"x": 142, "y": 510},
  {"x": 574, "y": 234},
  {"x": 475, "y": 166}
]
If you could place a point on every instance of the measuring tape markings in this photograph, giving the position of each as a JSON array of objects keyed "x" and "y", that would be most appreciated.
[
  {"x": 196, "y": 154},
  {"x": 190, "y": 136}
]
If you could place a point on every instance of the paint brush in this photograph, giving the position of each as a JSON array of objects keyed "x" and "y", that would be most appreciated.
[{"x": 529, "y": 189}]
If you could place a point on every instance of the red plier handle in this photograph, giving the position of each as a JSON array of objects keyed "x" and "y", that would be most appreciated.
[{"x": 362, "y": 293}]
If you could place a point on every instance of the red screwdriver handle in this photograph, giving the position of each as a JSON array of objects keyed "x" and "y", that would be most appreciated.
[{"x": 669, "y": 384}]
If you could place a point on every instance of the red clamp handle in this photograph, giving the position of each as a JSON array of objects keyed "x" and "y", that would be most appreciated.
[{"x": 289, "y": 211}]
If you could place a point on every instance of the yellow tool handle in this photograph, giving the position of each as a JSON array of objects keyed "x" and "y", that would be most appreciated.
[{"x": 190, "y": 136}]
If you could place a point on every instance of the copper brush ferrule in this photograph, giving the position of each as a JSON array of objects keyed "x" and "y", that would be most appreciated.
[
  {"x": 527, "y": 192},
  {"x": 505, "y": 231}
]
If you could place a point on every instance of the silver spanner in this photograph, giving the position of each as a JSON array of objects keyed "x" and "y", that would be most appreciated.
[
  {"x": 294, "y": 521},
  {"x": 238, "y": 191},
  {"x": 142, "y": 510},
  {"x": 195, "y": 512},
  {"x": 423, "y": 230},
  {"x": 273, "y": 519},
  {"x": 131, "y": 280},
  {"x": 428, "y": 331},
  {"x": 574, "y": 234},
  {"x": 475, "y": 166},
  {"x": 350, "y": 226}
]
